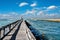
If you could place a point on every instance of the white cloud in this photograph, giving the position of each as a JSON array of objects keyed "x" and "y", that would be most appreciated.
[
  {"x": 40, "y": 13},
  {"x": 4, "y": 16},
  {"x": 34, "y": 4},
  {"x": 45, "y": 14},
  {"x": 13, "y": 13},
  {"x": 10, "y": 15},
  {"x": 30, "y": 12},
  {"x": 52, "y": 7},
  {"x": 52, "y": 14},
  {"x": 23, "y": 4}
]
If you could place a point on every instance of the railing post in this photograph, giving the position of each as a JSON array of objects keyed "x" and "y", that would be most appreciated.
[
  {"x": 0, "y": 34},
  {"x": 4, "y": 32},
  {"x": 9, "y": 27}
]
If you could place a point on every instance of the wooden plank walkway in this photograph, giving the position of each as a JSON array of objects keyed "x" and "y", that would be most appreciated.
[{"x": 20, "y": 32}]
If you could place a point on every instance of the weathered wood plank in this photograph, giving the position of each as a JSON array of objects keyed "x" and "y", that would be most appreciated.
[{"x": 24, "y": 33}]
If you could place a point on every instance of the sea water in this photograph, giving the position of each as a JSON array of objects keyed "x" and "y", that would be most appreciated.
[
  {"x": 50, "y": 29},
  {"x": 5, "y": 22}
]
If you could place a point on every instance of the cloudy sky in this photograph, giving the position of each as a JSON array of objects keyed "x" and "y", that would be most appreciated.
[{"x": 13, "y": 9}]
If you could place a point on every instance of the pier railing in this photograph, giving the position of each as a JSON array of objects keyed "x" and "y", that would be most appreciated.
[
  {"x": 8, "y": 28},
  {"x": 29, "y": 34}
]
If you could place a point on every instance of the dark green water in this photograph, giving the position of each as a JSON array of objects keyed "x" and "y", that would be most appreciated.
[{"x": 50, "y": 29}]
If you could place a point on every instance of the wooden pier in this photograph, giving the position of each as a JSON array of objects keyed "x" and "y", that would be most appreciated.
[{"x": 16, "y": 31}]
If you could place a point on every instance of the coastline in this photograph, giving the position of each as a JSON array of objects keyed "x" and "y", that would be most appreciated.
[{"x": 53, "y": 20}]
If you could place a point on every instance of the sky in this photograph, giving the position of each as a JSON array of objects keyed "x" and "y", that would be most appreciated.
[{"x": 14, "y": 9}]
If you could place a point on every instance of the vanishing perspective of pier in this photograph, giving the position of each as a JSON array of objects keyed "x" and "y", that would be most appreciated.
[{"x": 16, "y": 31}]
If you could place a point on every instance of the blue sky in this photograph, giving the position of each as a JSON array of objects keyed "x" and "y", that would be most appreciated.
[{"x": 30, "y": 8}]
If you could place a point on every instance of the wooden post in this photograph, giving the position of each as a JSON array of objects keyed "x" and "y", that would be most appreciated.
[
  {"x": 0, "y": 34},
  {"x": 3, "y": 31},
  {"x": 9, "y": 27}
]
